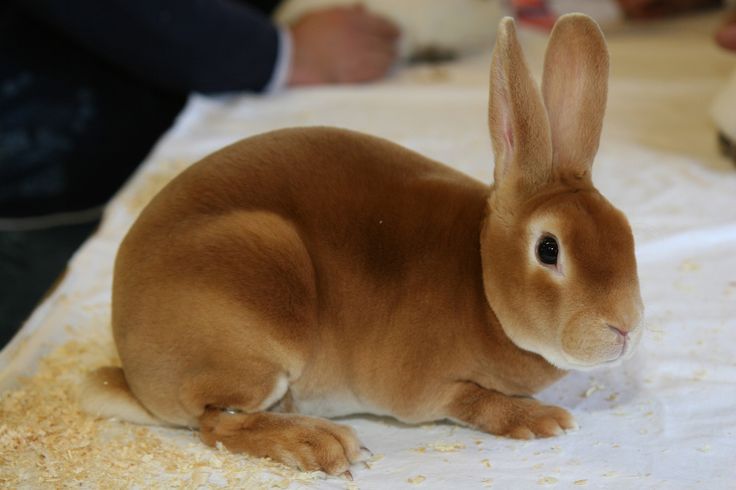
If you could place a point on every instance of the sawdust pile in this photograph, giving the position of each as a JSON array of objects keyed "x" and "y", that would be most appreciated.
[{"x": 47, "y": 442}]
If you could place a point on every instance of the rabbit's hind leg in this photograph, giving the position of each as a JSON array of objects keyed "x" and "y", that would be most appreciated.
[{"x": 238, "y": 418}]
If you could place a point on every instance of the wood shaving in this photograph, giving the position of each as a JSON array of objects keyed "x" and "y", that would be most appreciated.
[
  {"x": 416, "y": 480},
  {"x": 547, "y": 480},
  {"x": 447, "y": 448},
  {"x": 581, "y": 482},
  {"x": 200, "y": 477},
  {"x": 441, "y": 447},
  {"x": 594, "y": 386},
  {"x": 486, "y": 463},
  {"x": 48, "y": 441},
  {"x": 370, "y": 462},
  {"x": 487, "y": 482}
]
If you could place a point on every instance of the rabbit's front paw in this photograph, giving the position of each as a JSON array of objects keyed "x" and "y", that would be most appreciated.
[
  {"x": 509, "y": 416},
  {"x": 530, "y": 419}
]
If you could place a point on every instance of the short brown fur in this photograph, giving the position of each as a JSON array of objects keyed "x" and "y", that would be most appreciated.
[{"x": 327, "y": 272}]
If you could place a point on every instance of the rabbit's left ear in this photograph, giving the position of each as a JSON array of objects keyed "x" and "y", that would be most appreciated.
[
  {"x": 575, "y": 87},
  {"x": 517, "y": 120}
]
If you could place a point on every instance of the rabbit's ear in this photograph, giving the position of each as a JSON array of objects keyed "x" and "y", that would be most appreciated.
[
  {"x": 575, "y": 87},
  {"x": 520, "y": 132}
]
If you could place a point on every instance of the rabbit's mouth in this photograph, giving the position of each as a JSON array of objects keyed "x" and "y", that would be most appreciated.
[
  {"x": 624, "y": 340},
  {"x": 630, "y": 343}
]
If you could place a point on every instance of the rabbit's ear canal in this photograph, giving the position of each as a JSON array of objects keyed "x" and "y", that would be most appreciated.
[
  {"x": 575, "y": 87},
  {"x": 518, "y": 123}
]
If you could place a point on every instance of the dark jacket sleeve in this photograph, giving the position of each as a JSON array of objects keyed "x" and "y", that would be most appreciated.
[{"x": 179, "y": 45}]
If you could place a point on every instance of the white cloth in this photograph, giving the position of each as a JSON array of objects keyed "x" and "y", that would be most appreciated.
[{"x": 667, "y": 418}]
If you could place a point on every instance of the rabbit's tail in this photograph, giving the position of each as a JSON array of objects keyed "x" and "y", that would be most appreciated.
[{"x": 105, "y": 393}]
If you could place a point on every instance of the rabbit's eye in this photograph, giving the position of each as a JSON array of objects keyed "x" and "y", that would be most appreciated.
[{"x": 547, "y": 250}]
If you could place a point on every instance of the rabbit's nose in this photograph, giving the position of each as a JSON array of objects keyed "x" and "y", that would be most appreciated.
[{"x": 622, "y": 332}]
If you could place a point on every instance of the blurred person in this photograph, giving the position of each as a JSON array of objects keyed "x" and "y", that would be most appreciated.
[
  {"x": 651, "y": 9},
  {"x": 87, "y": 88}
]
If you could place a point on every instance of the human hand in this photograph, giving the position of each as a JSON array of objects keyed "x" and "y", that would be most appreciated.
[
  {"x": 341, "y": 45},
  {"x": 726, "y": 35}
]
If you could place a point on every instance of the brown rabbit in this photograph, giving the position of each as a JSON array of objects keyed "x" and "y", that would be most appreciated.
[{"x": 321, "y": 272}]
